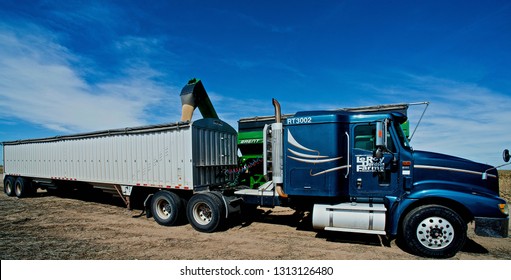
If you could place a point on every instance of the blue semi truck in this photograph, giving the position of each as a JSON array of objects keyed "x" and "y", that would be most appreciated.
[{"x": 354, "y": 171}]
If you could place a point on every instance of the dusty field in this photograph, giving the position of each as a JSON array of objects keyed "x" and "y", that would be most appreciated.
[{"x": 50, "y": 227}]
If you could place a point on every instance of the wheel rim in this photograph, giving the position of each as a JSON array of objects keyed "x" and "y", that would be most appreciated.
[
  {"x": 435, "y": 233},
  {"x": 8, "y": 188},
  {"x": 202, "y": 213},
  {"x": 163, "y": 209},
  {"x": 17, "y": 189}
]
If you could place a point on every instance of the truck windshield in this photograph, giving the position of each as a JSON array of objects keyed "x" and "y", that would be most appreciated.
[{"x": 401, "y": 135}]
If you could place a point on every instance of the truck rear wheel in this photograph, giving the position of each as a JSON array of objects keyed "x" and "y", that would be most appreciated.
[
  {"x": 23, "y": 187},
  {"x": 9, "y": 186},
  {"x": 434, "y": 231},
  {"x": 205, "y": 212},
  {"x": 166, "y": 208}
]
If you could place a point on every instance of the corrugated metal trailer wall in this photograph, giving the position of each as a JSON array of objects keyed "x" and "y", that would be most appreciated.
[
  {"x": 214, "y": 150},
  {"x": 168, "y": 156}
]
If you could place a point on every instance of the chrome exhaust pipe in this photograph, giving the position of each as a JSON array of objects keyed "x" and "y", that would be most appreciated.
[
  {"x": 278, "y": 114},
  {"x": 277, "y": 152}
]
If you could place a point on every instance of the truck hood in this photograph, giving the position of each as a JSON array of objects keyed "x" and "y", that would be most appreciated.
[{"x": 445, "y": 171}]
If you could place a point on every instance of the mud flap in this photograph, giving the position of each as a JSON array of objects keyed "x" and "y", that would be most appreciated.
[{"x": 147, "y": 206}]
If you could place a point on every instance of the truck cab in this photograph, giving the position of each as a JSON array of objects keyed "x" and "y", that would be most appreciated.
[
  {"x": 339, "y": 156},
  {"x": 358, "y": 173}
]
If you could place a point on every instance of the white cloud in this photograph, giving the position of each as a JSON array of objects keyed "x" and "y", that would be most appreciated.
[
  {"x": 464, "y": 119},
  {"x": 39, "y": 84}
]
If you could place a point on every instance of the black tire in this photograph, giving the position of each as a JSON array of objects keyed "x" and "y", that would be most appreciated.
[
  {"x": 167, "y": 208},
  {"x": 23, "y": 187},
  {"x": 9, "y": 186},
  {"x": 205, "y": 212},
  {"x": 434, "y": 231}
]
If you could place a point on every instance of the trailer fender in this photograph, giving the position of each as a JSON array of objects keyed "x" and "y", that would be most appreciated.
[{"x": 232, "y": 204}]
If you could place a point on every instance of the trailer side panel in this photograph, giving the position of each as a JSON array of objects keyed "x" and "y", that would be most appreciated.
[{"x": 154, "y": 156}]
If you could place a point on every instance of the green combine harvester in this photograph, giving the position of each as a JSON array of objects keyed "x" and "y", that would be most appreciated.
[{"x": 250, "y": 145}]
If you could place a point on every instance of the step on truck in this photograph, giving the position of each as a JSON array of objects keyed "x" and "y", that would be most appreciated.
[{"x": 353, "y": 171}]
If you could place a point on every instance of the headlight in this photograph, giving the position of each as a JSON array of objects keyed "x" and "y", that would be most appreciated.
[{"x": 504, "y": 208}]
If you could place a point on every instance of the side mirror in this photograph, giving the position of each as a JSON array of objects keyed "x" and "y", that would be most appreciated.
[
  {"x": 506, "y": 156},
  {"x": 381, "y": 134}
]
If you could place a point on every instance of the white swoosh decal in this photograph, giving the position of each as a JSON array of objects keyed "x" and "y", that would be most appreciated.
[
  {"x": 305, "y": 155},
  {"x": 295, "y": 143},
  {"x": 314, "y": 161}
]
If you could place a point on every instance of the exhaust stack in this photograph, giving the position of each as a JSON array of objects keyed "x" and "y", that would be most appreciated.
[
  {"x": 278, "y": 114},
  {"x": 277, "y": 152},
  {"x": 194, "y": 95}
]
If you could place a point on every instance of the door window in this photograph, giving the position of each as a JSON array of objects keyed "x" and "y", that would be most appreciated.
[{"x": 364, "y": 137}]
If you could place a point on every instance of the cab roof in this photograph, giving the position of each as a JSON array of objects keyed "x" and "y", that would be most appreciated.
[{"x": 350, "y": 117}]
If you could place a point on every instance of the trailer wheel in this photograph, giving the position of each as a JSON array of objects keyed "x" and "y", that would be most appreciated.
[
  {"x": 204, "y": 212},
  {"x": 166, "y": 208},
  {"x": 434, "y": 231},
  {"x": 9, "y": 186},
  {"x": 22, "y": 187}
]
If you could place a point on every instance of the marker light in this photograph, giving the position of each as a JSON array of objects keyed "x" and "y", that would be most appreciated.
[{"x": 504, "y": 208}]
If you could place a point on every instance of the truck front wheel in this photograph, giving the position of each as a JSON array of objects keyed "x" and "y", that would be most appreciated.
[
  {"x": 166, "y": 208},
  {"x": 204, "y": 212},
  {"x": 434, "y": 231},
  {"x": 9, "y": 186}
]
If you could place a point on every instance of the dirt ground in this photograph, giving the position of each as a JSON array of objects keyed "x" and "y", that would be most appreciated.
[{"x": 48, "y": 227}]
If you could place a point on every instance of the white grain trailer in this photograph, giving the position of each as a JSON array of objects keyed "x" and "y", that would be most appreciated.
[{"x": 174, "y": 164}]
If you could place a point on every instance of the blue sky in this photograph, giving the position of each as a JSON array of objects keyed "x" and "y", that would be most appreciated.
[{"x": 78, "y": 66}]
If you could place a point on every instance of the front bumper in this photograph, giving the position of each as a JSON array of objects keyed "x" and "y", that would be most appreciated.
[{"x": 492, "y": 227}]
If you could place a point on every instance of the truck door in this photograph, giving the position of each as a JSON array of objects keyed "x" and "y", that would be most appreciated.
[{"x": 372, "y": 177}]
